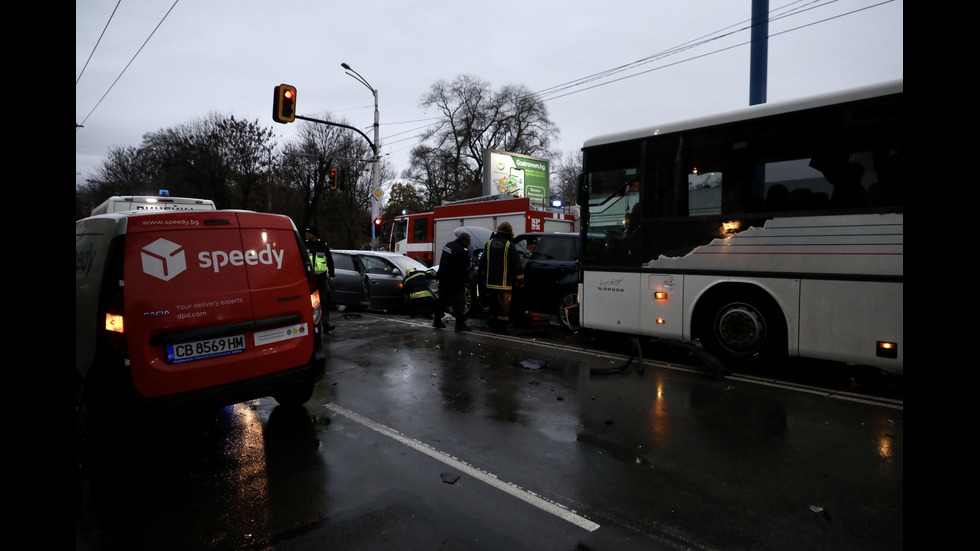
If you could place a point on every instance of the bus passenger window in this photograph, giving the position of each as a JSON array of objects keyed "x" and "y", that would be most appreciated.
[
  {"x": 704, "y": 193},
  {"x": 793, "y": 185},
  {"x": 845, "y": 174}
]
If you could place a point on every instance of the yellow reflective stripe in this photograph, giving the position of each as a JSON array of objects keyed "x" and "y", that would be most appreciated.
[
  {"x": 503, "y": 285},
  {"x": 486, "y": 257},
  {"x": 506, "y": 250},
  {"x": 420, "y": 294}
]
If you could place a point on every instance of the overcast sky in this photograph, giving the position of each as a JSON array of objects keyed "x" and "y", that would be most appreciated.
[{"x": 148, "y": 65}]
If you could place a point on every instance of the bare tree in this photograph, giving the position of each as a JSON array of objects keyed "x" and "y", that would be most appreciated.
[
  {"x": 565, "y": 181},
  {"x": 218, "y": 158},
  {"x": 247, "y": 151},
  {"x": 343, "y": 214},
  {"x": 449, "y": 162}
]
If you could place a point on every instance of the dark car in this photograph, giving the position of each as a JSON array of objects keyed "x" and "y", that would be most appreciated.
[
  {"x": 550, "y": 276},
  {"x": 372, "y": 279},
  {"x": 350, "y": 286}
]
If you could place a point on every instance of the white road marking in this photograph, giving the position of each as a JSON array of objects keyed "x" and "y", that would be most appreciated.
[{"x": 488, "y": 478}]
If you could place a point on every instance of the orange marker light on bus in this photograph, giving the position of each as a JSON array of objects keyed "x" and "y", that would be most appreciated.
[{"x": 887, "y": 349}]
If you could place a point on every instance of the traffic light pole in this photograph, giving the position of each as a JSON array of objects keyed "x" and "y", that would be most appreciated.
[
  {"x": 375, "y": 174},
  {"x": 285, "y": 98},
  {"x": 373, "y": 147},
  {"x": 376, "y": 170}
]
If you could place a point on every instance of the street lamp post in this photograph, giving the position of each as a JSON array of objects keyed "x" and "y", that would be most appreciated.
[{"x": 376, "y": 169}]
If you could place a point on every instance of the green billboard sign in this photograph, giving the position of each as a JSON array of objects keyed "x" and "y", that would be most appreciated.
[{"x": 516, "y": 175}]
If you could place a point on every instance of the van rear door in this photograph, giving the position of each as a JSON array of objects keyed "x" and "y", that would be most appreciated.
[{"x": 212, "y": 298}]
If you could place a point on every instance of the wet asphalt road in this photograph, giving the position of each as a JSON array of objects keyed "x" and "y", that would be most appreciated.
[{"x": 429, "y": 439}]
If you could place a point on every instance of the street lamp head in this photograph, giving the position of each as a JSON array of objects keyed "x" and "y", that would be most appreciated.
[{"x": 357, "y": 76}]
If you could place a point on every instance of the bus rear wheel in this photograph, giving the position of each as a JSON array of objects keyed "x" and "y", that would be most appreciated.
[{"x": 743, "y": 326}]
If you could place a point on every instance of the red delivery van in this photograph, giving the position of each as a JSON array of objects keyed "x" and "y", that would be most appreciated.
[{"x": 186, "y": 308}]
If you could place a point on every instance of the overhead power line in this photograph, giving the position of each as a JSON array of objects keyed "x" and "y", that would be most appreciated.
[
  {"x": 604, "y": 78},
  {"x": 127, "y": 65},
  {"x": 791, "y": 9},
  {"x": 98, "y": 41}
]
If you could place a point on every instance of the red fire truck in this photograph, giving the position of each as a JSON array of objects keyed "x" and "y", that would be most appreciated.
[{"x": 420, "y": 235}]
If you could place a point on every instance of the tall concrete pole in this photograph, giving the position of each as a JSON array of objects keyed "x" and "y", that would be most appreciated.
[
  {"x": 375, "y": 173},
  {"x": 376, "y": 146},
  {"x": 759, "y": 56}
]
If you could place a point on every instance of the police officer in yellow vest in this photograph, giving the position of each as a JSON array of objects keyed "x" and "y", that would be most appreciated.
[{"x": 322, "y": 262}]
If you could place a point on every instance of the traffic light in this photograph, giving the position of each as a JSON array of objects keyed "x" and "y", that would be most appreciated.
[
  {"x": 284, "y": 104},
  {"x": 334, "y": 177},
  {"x": 377, "y": 222}
]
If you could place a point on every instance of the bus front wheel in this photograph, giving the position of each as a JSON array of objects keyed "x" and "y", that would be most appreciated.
[{"x": 742, "y": 326}]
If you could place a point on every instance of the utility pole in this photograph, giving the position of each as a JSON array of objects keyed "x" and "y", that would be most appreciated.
[
  {"x": 759, "y": 56},
  {"x": 284, "y": 111},
  {"x": 376, "y": 169}
]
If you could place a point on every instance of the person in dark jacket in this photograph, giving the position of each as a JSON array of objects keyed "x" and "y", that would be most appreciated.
[
  {"x": 500, "y": 271},
  {"x": 454, "y": 265},
  {"x": 322, "y": 261},
  {"x": 417, "y": 292}
]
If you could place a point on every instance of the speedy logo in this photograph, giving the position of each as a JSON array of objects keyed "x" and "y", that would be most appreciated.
[
  {"x": 163, "y": 259},
  {"x": 217, "y": 259}
]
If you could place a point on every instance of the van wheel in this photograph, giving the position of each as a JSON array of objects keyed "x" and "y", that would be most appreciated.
[
  {"x": 568, "y": 311},
  {"x": 295, "y": 394}
]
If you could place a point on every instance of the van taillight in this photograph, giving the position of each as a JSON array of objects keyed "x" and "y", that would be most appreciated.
[
  {"x": 114, "y": 312},
  {"x": 114, "y": 322},
  {"x": 115, "y": 327},
  {"x": 315, "y": 300}
]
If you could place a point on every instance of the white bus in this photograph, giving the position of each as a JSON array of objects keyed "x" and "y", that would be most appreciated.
[{"x": 771, "y": 231}]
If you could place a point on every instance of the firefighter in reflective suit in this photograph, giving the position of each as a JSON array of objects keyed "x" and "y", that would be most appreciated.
[
  {"x": 420, "y": 299},
  {"x": 500, "y": 272}
]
